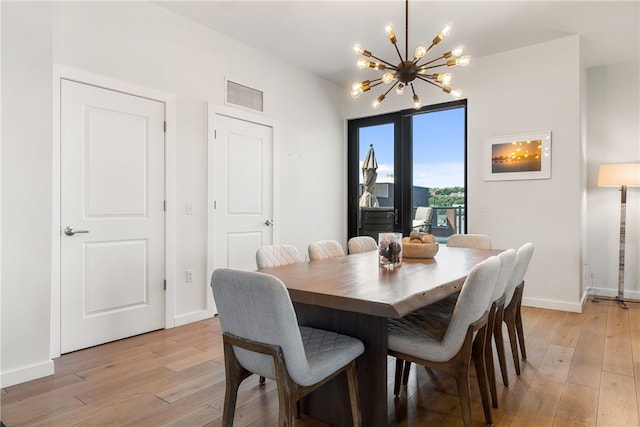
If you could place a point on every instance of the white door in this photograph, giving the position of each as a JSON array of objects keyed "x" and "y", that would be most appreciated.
[
  {"x": 112, "y": 215},
  {"x": 243, "y": 206}
]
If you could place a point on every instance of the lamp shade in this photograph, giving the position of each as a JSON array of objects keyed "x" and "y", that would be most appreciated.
[{"x": 615, "y": 175}]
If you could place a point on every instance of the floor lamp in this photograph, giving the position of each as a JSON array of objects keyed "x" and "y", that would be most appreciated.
[{"x": 620, "y": 175}]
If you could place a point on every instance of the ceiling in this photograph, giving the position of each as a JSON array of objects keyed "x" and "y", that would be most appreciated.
[{"x": 319, "y": 35}]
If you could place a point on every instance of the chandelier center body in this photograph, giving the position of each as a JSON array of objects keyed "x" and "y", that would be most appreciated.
[{"x": 406, "y": 72}]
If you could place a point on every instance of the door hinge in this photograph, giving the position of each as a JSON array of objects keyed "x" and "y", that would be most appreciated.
[
  {"x": 165, "y": 284},
  {"x": 164, "y": 205},
  {"x": 215, "y": 134},
  {"x": 215, "y": 205},
  {"x": 165, "y": 127}
]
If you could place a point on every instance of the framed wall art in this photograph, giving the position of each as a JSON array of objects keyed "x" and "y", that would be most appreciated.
[{"x": 517, "y": 157}]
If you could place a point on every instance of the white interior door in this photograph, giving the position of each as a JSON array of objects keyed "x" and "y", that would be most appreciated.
[
  {"x": 243, "y": 205},
  {"x": 112, "y": 215}
]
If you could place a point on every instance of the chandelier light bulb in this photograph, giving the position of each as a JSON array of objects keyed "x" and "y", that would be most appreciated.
[
  {"x": 457, "y": 51},
  {"x": 463, "y": 61},
  {"x": 362, "y": 63},
  {"x": 444, "y": 32},
  {"x": 389, "y": 31},
  {"x": 444, "y": 78},
  {"x": 420, "y": 52},
  {"x": 355, "y": 93},
  {"x": 358, "y": 49},
  {"x": 378, "y": 102},
  {"x": 456, "y": 93},
  {"x": 400, "y": 89},
  {"x": 416, "y": 102},
  {"x": 388, "y": 77}
]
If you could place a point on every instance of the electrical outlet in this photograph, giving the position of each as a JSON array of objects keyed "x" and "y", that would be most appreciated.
[{"x": 188, "y": 276}]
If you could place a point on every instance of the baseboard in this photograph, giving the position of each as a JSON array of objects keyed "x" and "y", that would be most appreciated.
[
  {"x": 608, "y": 292},
  {"x": 574, "y": 307},
  {"x": 27, "y": 373},
  {"x": 193, "y": 317}
]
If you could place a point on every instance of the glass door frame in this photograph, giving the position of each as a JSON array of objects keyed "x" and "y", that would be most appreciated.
[{"x": 403, "y": 163}]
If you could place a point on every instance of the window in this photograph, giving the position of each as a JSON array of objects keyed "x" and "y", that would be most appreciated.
[{"x": 421, "y": 158}]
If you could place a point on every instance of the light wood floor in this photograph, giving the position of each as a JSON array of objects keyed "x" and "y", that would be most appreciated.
[{"x": 581, "y": 370}]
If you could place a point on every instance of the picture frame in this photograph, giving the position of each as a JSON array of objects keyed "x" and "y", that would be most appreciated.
[{"x": 518, "y": 157}]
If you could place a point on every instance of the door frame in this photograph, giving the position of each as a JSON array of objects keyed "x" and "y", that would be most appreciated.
[
  {"x": 248, "y": 116},
  {"x": 62, "y": 72}
]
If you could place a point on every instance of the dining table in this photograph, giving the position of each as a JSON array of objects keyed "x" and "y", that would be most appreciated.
[{"x": 355, "y": 295}]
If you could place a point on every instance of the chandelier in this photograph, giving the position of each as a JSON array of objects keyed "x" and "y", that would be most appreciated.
[{"x": 408, "y": 71}]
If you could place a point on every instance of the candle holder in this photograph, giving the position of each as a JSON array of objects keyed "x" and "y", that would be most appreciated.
[{"x": 390, "y": 250}]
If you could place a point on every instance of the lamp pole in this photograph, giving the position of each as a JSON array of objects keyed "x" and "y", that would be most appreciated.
[{"x": 623, "y": 221}]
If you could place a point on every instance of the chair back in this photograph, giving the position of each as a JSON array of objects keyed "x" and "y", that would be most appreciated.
[
  {"x": 523, "y": 257},
  {"x": 277, "y": 255},
  {"x": 507, "y": 261},
  {"x": 257, "y": 306},
  {"x": 476, "y": 241},
  {"x": 474, "y": 300},
  {"x": 362, "y": 244},
  {"x": 325, "y": 249}
]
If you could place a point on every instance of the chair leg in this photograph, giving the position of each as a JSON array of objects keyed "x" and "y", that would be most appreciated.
[
  {"x": 519, "y": 328},
  {"x": 261, "y": 380},
  {"x": 462, "y": 381},
  {"x": 398, "y": 377},
  {"x": 234, "y": 374},
  {"x": 478, "y": 355},
  {"x": 510, "y": 321},
  {"x": 488, "y": 357},
  {"x": 405, "y": 373},
  {"x": 499, "y": 340},
  {"x": 354, "y": 394}
]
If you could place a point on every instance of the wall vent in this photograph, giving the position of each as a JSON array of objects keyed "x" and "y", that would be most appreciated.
[{"x": 244, "y": 96}]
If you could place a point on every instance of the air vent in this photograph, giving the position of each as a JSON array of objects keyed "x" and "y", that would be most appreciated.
[{"x": 244, "y": 96}]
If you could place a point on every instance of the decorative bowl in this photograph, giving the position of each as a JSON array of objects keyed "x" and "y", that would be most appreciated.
[{"x": 420, "y": 250}]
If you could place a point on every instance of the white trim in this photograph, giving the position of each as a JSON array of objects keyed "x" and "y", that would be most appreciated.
[
  {"x": 195, "y": 316},
  {"x": 241, "y": 114},
  {"x": 169, "y": 99},
  {"x": 27, "y": 373},
  {"x": 574, "y": 307}
]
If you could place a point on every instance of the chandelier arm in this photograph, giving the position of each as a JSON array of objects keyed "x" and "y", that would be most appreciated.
[
  {"x": 388, "y": 64},
  {"x": 398, "y": 51},
  {"x": 389, "y": 90},
  {"x": 430, "y": 62},
  {"x": 423, "y": 67},
  {"x": 429, "y": 81}
]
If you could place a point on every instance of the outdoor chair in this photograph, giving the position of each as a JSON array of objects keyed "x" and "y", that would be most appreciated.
[
  {"x": 261, "y": 335},
  {"x": 422, "y": 219}
]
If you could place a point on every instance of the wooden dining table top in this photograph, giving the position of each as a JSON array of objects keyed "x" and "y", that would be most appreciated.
[{"x": 359, "y": 284}]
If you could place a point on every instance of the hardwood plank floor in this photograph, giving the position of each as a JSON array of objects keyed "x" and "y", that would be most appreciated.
[{"x": 582, "y": 370}]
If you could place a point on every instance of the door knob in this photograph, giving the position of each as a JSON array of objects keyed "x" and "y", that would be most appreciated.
[
  {"x": 70, "y": 231},
  {"x": 268, "y": 222}
]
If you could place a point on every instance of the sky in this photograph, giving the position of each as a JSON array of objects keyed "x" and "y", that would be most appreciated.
[{"x": 438, "y": 149}]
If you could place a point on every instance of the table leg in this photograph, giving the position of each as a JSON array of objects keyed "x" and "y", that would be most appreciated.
[{"x": 330, "y": 403}]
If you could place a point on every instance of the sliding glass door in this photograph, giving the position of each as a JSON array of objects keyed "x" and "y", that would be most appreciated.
[{"x": 421, "y": 167}]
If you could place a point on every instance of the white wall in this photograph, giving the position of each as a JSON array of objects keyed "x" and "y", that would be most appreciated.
[
  {"x": 26, "y": 193},
  {"x": 530, "y": 89},
  {"x": 613, "y": 137},
  {"x": 146, "y": 45}
]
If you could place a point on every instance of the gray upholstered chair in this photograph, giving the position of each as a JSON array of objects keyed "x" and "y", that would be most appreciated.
[
  {"x": 476, "y": 241},
  {"x": 277, "y": 255},
  {"x": 362, "y": 244},
  {"x": 445, "y": 310},
  {"x": 261, "y": 335},
  {"x": 437, "y": 340},
  {"x": 512, "y": 305},
  {"x": 325, "y": 249}
]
